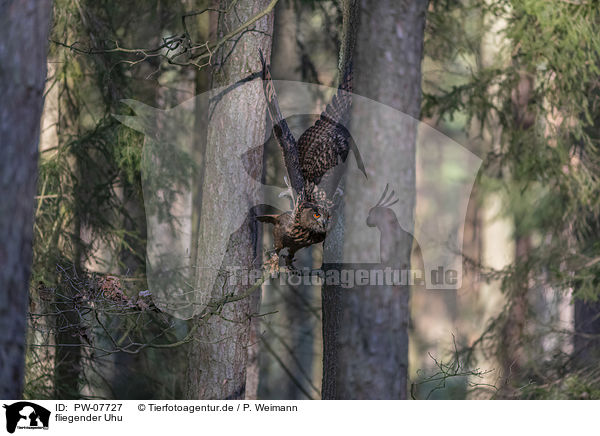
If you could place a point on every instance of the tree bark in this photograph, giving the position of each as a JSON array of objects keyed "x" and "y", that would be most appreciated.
[
  {"x": 24, "y": 29},
  {"x": 587, "y": 331},
  {"x": 372, "y": 341},
  {"x": 333, "y": 246},
  {"x": 511, "y": 350},
  {"x": 218, "y": 356}
]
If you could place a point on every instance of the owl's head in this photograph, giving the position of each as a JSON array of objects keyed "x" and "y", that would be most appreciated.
[{"x": 314, "y": 217}]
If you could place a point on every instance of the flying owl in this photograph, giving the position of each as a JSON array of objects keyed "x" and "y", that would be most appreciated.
[{"x": 315, "y": 165}]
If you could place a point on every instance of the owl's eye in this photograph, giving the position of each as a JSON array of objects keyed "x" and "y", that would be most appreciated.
[{"x": 317, "y": 215}]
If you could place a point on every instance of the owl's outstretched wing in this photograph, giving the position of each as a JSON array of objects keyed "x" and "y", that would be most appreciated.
[
  {"x": 325, "y": 145},
  {"x": 282, "y": 132}
]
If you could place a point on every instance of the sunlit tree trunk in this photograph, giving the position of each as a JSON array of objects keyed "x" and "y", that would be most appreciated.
[
  {"x": 218, "y": 356},
  {"x": 24, "y": 29}
]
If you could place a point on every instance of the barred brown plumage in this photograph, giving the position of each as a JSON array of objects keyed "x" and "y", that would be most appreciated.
[{"x": 315, "y": 167}]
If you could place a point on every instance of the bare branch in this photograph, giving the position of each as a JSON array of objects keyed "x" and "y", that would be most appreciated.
[{"x": 173, "y": 48}]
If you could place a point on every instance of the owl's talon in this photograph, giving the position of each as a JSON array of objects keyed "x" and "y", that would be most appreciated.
[
  {"x": 292, "y": 270},
  {"x": 289, "y": 259}
]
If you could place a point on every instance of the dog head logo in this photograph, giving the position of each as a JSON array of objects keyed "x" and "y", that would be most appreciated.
[{"x": 26, "y": 415}]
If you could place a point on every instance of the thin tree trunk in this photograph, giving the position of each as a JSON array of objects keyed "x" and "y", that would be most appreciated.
[
  {"x": 24, "y": 29},
  {"x": 511, "y": 351},
  {"x": 293, "y": 344},
  {"x": 219, "y": 354},
  {"x": 68, "y": 360},
  {"x": 511, "y": 347},
  {"x": 68, "y": 369}
]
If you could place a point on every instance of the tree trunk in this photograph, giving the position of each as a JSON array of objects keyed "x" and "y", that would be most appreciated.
[
  {"x": 287, "y": 360},
  {"x": 23, "y": 35},
  {"x": 587, "y": 331},
  {"x": 219, "y": 354},
  {"x": 372, "y": 341},
  {"x": 333, "y": 246},
  {"x": 511, "y": 350},
  {"x": 511, "y": 353}
]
